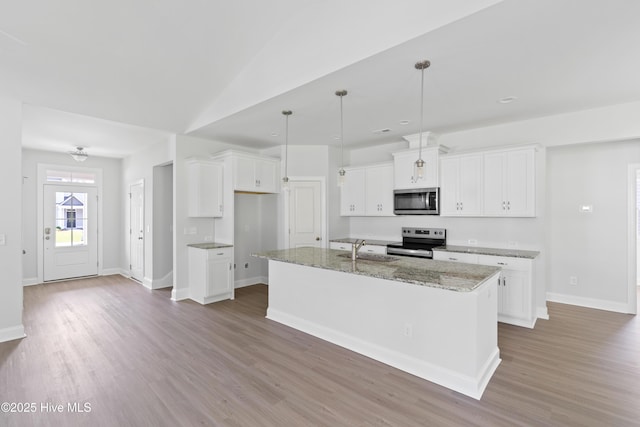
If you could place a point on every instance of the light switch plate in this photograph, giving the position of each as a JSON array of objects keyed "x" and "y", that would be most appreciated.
[{"x": 3, "y": 239}]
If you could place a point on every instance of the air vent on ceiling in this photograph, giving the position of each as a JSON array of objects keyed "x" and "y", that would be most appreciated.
[{"x": 381, "y": 131}]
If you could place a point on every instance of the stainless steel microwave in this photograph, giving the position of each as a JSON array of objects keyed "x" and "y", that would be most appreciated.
[{"x": 417, "y": 201}]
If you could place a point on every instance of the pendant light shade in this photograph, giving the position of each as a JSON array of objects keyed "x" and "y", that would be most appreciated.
[
  {"x": 419, "y": 164},
  {"x": 79, "y": 155},
  {"x": 285, "y": 178},
  {"x": 341, "y": 171}
]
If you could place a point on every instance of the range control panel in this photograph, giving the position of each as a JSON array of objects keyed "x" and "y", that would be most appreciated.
[{"x": 437, "y": 233}]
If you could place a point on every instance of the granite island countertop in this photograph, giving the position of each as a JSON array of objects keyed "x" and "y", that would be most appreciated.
[
  {"x": 452, "y": 276},
  {"x": 209, "y": 245},
  {"x": 515, "y": 253}
]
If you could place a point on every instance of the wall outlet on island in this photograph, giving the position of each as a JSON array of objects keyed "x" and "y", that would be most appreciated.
[
  {"x": 408, "y": 330},
  {"x": 573, "y": 280},
  {"x": 472, "y": 242},
  {"x": 208, "y": 238}
]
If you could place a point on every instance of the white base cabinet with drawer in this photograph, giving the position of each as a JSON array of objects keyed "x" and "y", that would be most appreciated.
[
  {"x": 515, "y": 285},
  {"x": 210, "y": 274},
  {"x": 372, "y": 249}
]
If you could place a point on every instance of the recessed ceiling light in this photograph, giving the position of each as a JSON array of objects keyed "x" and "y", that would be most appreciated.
[
  {"x": 274, "y": 134},
  {"x": 404, "y": 122},
  {"x": 507, "y": 99}
]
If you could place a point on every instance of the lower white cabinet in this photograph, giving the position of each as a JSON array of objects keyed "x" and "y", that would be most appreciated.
[
  {"x": 210, "y": 274},
  {"x": 372, "y": 249},
  {"x": 515, "y": 286}
]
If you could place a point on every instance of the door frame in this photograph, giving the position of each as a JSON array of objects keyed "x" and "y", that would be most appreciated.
[
  {"x": 632, "y": 243},
  {"x": 144, "y": 231},
  {"x": 42, "y": 180},
  {"x": 323, "y": 206}
]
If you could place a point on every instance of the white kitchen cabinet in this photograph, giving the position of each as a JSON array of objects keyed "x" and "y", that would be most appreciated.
[
  {"x": 461, "y": 185},
  {"x": 210, "y": 274},
  {"x": 352, "y": 192},
  {"x": 367, "y": 191},
  {"x": 379, "y": 190},
  {"x": 509, "y": 183},
  {"x": 515, "y": 286},
  {"x": 515, "y": 289},
  {"x": 205, "y": 190},
  {"x": 255, "y": 174},
  {"x": 403, "y": 168},
  {"x": 455, "y": 256},
  {"x": 372, "y": 249}
]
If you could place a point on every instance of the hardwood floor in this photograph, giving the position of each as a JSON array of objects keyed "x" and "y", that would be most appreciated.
[{"x": 137, "y": 358}]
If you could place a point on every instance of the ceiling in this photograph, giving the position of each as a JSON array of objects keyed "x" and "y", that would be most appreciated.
[{"x": 118, "y": 76}]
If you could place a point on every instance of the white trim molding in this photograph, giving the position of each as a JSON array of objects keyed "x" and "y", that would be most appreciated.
[
  {"x": 257, "y": 280},
  {"x": 619, "y": 307},
  {"x": 12, "y": 333}
]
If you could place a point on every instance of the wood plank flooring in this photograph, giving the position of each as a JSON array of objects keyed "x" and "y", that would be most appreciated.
[{"x": 139, "y": 359}]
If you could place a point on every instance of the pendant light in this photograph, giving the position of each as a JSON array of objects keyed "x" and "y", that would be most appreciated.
[
  {"x": 285, "y": 178},
  {"x": 341, "y": 171},
  {"x": 79, "y": 155},
  {"x": 419, "y": 164}
]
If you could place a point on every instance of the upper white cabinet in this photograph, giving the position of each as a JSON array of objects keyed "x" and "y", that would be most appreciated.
[
  {"x": 352, "y": 192},
  {"x": 404, "y": 170},
  {"x": 204, "y": 197},
  {"x": 367, "y": 191},
  {"x": 255, "y": 173},
  {"x": 379, "y": 190},
  {"x": 509, "y": 183},
  {"x": 461, "y": 185}
]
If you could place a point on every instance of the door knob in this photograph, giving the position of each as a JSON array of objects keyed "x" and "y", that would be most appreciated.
[{"x": 317, "y": 239}]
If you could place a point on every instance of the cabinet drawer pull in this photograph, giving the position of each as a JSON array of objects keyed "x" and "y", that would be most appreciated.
[
  {"x": 220, "y": 253},
  {"x": 502, "y": 263},
  {"x": 453, "y": 259}
]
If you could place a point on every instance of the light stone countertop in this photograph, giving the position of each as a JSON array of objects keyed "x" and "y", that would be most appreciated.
[
  {"x": 369, "y": 241},
  {"x": 515, "y": 253},
  {"x": 209, "y": 245},
  {"x": 452, "y": 276}
]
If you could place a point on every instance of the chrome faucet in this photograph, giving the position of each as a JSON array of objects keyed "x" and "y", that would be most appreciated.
[{"x": 355, "y": 247}]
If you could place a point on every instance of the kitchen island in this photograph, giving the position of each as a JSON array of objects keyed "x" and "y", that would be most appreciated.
[{"x": 434, "y": 319}]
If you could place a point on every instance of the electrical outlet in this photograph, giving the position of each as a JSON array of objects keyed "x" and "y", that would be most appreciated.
[
  {"x": 473, "y": 242},
  {"x": 3, "y": 239},
  {"x": 408, "y": 330},
  {"x": 573, "y": 280},
  {"x": 208, "y": 238}
]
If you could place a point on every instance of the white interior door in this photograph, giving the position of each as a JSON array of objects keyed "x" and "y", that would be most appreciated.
[
  {"x": 305, "y": 214},
  {"x": 136, "y": 231},
  {"x": 70, "y": 231}
]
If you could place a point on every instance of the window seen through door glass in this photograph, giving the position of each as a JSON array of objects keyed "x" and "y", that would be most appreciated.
[{"x": 71, "y": 219}]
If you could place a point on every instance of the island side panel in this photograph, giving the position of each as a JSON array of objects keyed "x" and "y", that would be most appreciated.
[{"x": 444, "y": 336}]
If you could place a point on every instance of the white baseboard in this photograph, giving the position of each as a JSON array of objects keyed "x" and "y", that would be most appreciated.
[
  {"x": 250, "y": 281},
  {"x": 542, "y": 313},
  {"x": 30, "y": 281},
  {"x": 12, "y": 333},
  {"x": 618, "y": 307},
  {"x": 110, "y": 271},
  {"x": 467, "y": 385},
  {"x": 147, "y": 282},
  {"x": 179, "y": 294},
  {"x": 163, "y": 282}
]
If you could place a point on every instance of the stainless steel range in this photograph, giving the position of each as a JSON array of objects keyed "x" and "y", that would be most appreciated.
[{"x": 418, "y": 242}]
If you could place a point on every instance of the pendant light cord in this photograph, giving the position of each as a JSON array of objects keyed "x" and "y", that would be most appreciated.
[
  {"x": 286, "y": 145},
  {"x": 421, "y": 110},
  {"x": 341, "y": 135}
]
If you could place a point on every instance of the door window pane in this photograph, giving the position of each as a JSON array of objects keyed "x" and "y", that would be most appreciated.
[{"x": 71, "y": 219}]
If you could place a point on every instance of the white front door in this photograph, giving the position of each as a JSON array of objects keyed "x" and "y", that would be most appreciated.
[
  {"x": 305, "y": 214},
  {"x": 136, "y": 231},
  {"x": 70, "y": 231}
]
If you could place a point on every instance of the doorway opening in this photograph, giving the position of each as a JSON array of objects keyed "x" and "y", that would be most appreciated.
[
  {"x": 161, "y": 245},
  {"x": 136, "y": 231},
  {"x": 634, "y": 238}
]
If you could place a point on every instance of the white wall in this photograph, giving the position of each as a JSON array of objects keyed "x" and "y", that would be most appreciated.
[
  {"x": 162, "y": 253},
  {"x": 255, "y": 231},
  {"x": 140, "y": 166},
  {"x": 589, "y": 246},
  {"x": 111, "y": 245},
  {"x": 10, "y": 220}
]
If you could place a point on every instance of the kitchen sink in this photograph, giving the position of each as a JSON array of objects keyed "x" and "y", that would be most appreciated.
[{"x": 371, "y": 257}]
